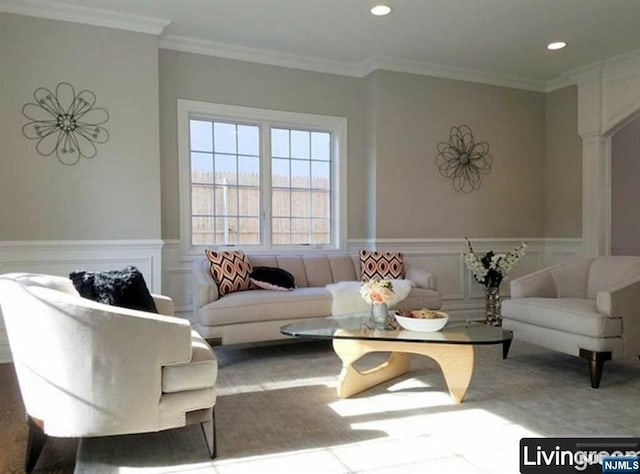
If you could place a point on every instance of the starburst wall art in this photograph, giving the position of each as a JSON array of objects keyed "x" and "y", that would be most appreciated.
[
  {"x": 463, "y": 159},
  {"x": 65, "y": 123}
]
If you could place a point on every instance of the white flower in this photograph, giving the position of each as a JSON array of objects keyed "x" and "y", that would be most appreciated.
[{"x": 497, "y": 266}]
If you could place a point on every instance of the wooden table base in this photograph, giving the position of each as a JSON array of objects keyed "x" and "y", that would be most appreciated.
[{"x": 455, "y": 360}]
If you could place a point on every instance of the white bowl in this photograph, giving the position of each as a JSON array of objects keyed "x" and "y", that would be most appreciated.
[{"x": 423, "y": 325}]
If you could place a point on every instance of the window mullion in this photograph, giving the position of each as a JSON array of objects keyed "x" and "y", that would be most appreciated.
[
  {"x": 310, "y": 210},
  {"x": 213, "y": 167},
  {"x": 265, "y": 185}
]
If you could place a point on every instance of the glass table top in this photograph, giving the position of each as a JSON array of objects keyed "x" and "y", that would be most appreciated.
[{"x": 354, "y": 326}]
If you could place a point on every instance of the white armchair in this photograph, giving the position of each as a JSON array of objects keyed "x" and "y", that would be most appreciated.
[
  {"x": 87, "y": 369},
  {"x": 588, "y": 307}
]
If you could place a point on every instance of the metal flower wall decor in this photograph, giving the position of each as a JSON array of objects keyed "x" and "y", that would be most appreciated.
[
  {"x": 65, "y": 123},
  {"x": 463, "y": 160}
]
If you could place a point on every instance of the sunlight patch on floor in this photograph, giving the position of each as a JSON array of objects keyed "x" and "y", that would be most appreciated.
[
  {"x": 409, "y": 394},
  {"x": 311, "y": 460},
  {"x": 279, "y": 385},
  {"x": 177, "y": 469},
  {"x": 390, "y": 452},
  {"x": 462, "y": 430}
]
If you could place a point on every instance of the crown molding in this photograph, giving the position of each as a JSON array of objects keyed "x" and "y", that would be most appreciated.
[
  {"x": 53, "y": 10},
  {"x": 343, "y": 68},
  {"x": 587, "y": 73},
  {"x": 444, "y": 71},
  {"x": 559, "y": 82},
  {"x": 622, "y": 64},
  {"x": 264, "y": 56}
]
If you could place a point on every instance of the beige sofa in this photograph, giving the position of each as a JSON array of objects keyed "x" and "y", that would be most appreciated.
[
  {"x": 588, "y": 307},
  {"x": 257, "y": 315}
]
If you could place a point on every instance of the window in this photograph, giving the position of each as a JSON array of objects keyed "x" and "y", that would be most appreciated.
[{"x": 260, "y": 178}]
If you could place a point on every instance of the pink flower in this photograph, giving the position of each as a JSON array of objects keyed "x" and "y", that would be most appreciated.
[
  {"x": 377, "y": 291},
  {"x": 377, "y": 298}
]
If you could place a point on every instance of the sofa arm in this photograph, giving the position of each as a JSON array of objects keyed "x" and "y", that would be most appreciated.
[
  {"x": 205, "y": 287},
  {"x": 164, "y": 304},
  {"x": 623, "y": 301},
  {"x": 538, "y": 284},
  {"x": 421, "y": 278},
  {"x": 620, "y": 300}
]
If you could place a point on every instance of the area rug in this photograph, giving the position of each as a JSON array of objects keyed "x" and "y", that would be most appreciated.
[{"x": 278, "y": 411}]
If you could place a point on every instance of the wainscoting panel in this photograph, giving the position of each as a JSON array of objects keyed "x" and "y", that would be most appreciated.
[
  {"x": 177, "y": 278},
  {"x": 63, "y": 257},
  {"x": 462, "y": 296}
]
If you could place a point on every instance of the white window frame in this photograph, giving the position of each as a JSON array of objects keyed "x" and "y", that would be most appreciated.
[{"x": 266, "y": 119}]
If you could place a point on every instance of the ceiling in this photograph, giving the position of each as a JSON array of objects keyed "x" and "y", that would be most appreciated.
[{"x": 499, "y": 38}]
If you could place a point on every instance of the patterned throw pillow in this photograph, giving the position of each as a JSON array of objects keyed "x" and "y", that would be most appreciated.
[
  {"x": 381, "y": 265},
  {"x": 230, "y": 270}
]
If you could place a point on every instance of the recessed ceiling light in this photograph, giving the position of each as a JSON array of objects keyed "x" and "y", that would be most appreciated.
[
  {"x": 556, "y": 45},
  {"x": 380, "y": 10}
]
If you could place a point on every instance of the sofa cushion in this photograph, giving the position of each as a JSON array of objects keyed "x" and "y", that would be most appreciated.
[
  {"x": 318, "y": 270},
  {"x": 572, "y": 315},
  {"x": 263, "y": 261},
  {"x": 230, "y": 270},
  {"x": 272, "y": 278},
  {"x": 264, "y": 305},
  {"x": 294, "y": 265},
  {"x": 125, "y": 288},
  {"x": 381, "y": 265},
  {"x": 313, "y": 270},
  {"x": 344, "y": 267},
  {"x": 201, "y": 372}
]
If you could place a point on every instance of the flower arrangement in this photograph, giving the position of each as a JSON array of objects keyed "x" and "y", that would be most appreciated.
[
  {"x": 492, "y": 268},
  {"x": 377, "y": 291}
]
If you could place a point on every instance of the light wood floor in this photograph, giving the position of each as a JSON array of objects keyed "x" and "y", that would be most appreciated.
[{"x": 58, "y": 455}]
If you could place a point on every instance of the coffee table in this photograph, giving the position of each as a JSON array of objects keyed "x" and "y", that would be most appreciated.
[{"x": 452, "y": 348}]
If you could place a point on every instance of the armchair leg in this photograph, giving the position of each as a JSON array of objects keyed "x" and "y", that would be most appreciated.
[
  {"x": 209, "y": 431},
  {"x": 596, "y": 361},
  {"x": 35, "y": 442},
  {"x": 505, "y": 348}
]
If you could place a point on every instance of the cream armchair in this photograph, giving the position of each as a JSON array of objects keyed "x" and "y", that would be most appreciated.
[
  {"x": 589, "y": 307},
  {"x": 87, "y": 369}
]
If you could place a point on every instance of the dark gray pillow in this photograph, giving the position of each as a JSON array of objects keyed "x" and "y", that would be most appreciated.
[
  {"x": 272, "y": 278},
  {"x": 125, "y": 288}
]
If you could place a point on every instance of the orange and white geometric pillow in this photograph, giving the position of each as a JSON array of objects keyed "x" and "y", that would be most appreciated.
[
  {"x": 381, "y": 265},
  {"x": 230, "y": 270}
]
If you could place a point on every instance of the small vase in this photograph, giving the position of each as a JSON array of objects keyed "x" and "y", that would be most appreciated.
[
  {"x": 494, "y": 306},
  {"x": 379, "y": 318}
]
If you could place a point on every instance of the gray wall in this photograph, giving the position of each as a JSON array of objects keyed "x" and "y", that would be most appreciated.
[
  {"x": 563, "y": 165},
  {"x": 414, "y": 114},
  {"x": 625, "y": 192},
  {"x": 395, "y": 123},
  {"x": 115, "y": 195},
  {"x": 225, "y": 81}
]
